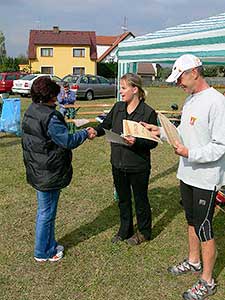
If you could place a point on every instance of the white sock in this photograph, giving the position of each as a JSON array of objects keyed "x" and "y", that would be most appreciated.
[
  {"x": 196, "y": 265},
  {"x": 212, "y": 283}
]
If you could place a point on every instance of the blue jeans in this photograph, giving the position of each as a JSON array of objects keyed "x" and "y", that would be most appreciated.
[
  {"x": 45, "y": 243},
  {"x": 62, "y": 110}
]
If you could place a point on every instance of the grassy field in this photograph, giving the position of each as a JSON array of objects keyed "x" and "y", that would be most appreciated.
[{"x": 94, "y": 268}]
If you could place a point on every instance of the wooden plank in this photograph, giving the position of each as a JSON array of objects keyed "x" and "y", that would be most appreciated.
[
  {"x": 102, "y": 105},
  {"x": 87, "y": 105},
  {"x": 174, "y": 119},
  {"x": 94, "y": 120},
  {"x": 89, "y": 112},
  {"x": 72, "y": 120},
  {"x": 172, "y": 112}
]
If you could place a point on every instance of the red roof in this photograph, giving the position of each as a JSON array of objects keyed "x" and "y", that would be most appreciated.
[
  {"x": 146, "y": 69},
  {"x": 118, "y": 39},
  {"x": 105, "y": 40},
  {"x": 58, "y": 37}
]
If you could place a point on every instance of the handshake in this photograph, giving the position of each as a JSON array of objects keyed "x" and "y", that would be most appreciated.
[{"x": 92, "y": 133}]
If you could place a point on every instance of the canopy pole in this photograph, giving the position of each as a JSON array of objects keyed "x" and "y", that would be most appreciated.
[{"x": 122, "y": 69}]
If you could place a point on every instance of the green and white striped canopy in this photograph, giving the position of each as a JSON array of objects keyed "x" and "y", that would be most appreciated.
[{"x": 204, "y": 38}]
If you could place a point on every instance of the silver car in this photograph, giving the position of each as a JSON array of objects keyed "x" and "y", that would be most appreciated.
[
  {"x": 90, "y": 86},
  {"x": 23, "y": 86}
]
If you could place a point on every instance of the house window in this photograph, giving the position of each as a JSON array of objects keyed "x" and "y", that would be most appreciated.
[
  {"x": 78, "y": 70},
  {"x": 79, "y": 52},
  {"x": 47, "y": 70},
  {"x": 47, "y": 52}
]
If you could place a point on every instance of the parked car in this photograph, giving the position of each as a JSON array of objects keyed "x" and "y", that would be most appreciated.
[
  {"x": 6, "y": 80},
  {"x": 90, "y": 86},
  {"x": 22, "y": 86}
]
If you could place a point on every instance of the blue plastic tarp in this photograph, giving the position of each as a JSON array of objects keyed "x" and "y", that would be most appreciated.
[{"x": 10, "y": 116}]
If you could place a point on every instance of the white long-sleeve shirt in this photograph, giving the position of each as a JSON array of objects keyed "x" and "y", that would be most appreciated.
[{"x": 202, "y": 131}]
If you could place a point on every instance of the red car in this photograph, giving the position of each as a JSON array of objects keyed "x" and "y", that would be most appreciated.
[{"x": 6, "y": 80}]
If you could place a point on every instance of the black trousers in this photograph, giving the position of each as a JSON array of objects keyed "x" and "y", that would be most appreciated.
[{"x": 125, "y": 183}]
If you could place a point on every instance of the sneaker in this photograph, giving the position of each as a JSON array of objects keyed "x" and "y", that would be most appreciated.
[
  {"x": 200, "y": 290},
  {"x": 56, "y": 257},
  {"x": 116, "y": 239},
  {"x": 136, "y": 239},
  {"x": 40, "y": 259},
  {"x": 183, "y": 268},
  {"x": 59, "y": 248}
]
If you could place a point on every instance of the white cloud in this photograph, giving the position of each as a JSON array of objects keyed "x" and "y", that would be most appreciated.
[{"x": 105, "y": 17}]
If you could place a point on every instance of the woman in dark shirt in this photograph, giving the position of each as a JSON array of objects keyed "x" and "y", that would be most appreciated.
[
  {"x": 47, "y": 157},
  {"x": 131, "y": 164}
]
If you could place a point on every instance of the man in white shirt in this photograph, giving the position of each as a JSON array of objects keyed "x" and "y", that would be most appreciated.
[{"x": 201, "y": 169}]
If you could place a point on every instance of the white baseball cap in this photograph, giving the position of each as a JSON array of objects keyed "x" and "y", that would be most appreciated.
[{"x": 183, "y": 63}]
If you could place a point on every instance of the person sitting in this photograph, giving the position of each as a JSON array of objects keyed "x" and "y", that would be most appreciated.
[{"x": 66, "y": 96}]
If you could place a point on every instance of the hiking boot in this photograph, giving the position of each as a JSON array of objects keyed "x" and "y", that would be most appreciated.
[
  {"x": 184, "y": 267},
  {"x": 136, "y": 239},
  {"x": 116, "y": 239},
  {"x": 200, "y": 290}
]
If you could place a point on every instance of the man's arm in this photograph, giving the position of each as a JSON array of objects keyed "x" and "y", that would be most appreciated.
[{"x": 145, "y": 143}]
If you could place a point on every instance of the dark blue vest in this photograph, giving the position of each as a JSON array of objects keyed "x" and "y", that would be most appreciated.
[{"x": 48, "y": 166}]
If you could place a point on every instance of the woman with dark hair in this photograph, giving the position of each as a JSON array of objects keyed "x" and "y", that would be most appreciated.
[
  {"x": 47, "y": 157},
  {"x": 131, "y": 164}
]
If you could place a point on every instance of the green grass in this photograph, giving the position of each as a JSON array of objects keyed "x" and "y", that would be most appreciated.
[{"x": 87, "y": 218}]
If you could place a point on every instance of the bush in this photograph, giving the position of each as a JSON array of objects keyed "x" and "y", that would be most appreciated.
[{"x": 107, "y": 70}]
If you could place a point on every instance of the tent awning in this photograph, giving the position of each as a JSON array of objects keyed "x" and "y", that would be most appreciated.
[{"x": 204, "y": 38}]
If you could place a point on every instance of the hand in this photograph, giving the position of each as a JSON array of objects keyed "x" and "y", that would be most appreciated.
[
  {"x": 130, "y": 140},
  {"x": 92, "y": 133},
  {"x": 155, "y": 131},
  {"x": 180, "y": 149}
]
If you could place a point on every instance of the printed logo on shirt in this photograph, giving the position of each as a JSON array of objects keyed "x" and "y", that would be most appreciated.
[
  {"x": 192, "y": 120},
  {"x": 202, "y": 202}
]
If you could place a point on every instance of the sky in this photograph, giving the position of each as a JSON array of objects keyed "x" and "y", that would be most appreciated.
[{"x": 18, "y": 17}]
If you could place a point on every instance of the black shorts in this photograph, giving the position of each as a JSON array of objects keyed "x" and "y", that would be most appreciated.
[{"x": 199, "y": 206}]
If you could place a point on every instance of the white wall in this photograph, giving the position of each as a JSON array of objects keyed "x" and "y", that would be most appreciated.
[{"x": 101, "y": 49}]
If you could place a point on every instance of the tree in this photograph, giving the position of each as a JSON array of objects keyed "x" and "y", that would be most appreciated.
[
  {"x": 163, "y": 73},
  {"x": 222, "y": 71},
  {"x": 211, "y": 71},
  {"x": 9, "y": 64},
  {"x": 22, "y": 59},
  {"x": 108, "y": 70},
  {"x": 2, "y": 46}
]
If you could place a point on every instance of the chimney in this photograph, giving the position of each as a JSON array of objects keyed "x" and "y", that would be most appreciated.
[{"x": 55, "y": 29}]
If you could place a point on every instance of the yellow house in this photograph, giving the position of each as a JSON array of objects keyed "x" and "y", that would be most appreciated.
[{"x": 62, "y": 52}]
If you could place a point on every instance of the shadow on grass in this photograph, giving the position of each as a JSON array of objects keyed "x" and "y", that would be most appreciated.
[
  {"x": 165, "y": 202},
  {"x": 107, "y": 218},
  {"x": 5, "y": 144},
  {"x": 220, "y": 242},
  {"x": 8, "y": 139},
  {"x": 164, "y": 173}
]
